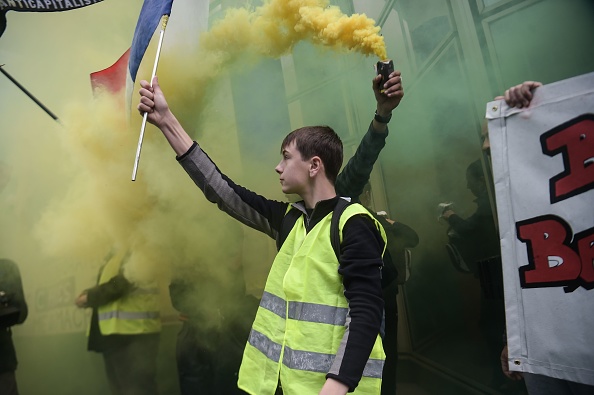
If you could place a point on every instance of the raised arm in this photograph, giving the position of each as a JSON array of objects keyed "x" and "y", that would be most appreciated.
[
  {"x": 355, "y": 174},
  {"x": 152, "y": 102},
  {"x": 116, "y": 288},
  {"x": 242, "y": 204},
  {"x": 388, "y": 100}
]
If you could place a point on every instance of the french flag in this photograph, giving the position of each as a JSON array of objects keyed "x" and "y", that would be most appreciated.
[{"x": 122, "y": 74}]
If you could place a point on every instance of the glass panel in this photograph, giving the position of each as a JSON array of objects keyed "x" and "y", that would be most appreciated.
[
  {"x": 324, "y": 79},
  {"x": 489, "y": 3},
  {"x": 370, "y": 8},
  {"x": 454, "y": 299},
  {"x": 428, "y": 24},
  {"x": 545, "y": 58}
]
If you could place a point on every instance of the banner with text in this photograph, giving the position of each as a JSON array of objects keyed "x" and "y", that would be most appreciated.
[
  {"x": 543, "y": 169},
  {"x": 39, "y": 6}
]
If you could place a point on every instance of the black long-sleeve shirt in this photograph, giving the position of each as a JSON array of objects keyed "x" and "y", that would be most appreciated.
[
  {"x": 477, "y": 233},
  {"x": 353, "y": 177},
  {"x": 360, "y": 259}
]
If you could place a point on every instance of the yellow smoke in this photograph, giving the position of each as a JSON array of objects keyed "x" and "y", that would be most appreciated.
[
  {"x": 274, "y": 28},
  {"x": 269, "y": 31},
  {"x": 161, "y": 218}
]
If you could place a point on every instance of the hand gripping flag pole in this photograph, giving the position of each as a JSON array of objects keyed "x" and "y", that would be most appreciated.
[{"x": 143, "y": 126}]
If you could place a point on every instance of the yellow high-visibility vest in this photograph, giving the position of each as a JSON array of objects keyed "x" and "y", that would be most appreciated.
[
  {"x": 135, "y": 313},
  {"x": 302, "y": 316}
]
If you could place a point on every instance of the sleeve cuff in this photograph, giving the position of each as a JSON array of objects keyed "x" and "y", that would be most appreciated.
[
  {"x": 181, "y": 157},
  {"x": 341, "y": 379},
  {"x": 376, "y": 134}
]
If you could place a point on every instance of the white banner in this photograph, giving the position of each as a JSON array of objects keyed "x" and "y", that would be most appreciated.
[{"x": 543, "y": 169}]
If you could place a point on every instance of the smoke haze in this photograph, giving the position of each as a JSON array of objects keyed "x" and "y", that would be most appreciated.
[{"x": 66, "y": 199}]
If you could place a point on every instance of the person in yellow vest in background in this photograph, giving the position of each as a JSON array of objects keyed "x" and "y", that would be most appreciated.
[
  {"x": 317, "y": 329},
  {"x": 13, "y": 311},
  {"x": 125, "y": 328}
]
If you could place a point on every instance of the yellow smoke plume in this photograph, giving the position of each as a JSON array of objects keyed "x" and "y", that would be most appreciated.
[
  {"x": 159, "y": 217},
  {"x": 269, "y": 31},
  {"x": 274, "y": 28}
]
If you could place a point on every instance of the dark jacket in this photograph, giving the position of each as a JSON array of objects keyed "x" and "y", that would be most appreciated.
[
  {"x": 476, "y": 236},
  {"x": 353, "y": 177},
  {"x": 98, "y": 296},
  {"x": 13, "y": 310}
]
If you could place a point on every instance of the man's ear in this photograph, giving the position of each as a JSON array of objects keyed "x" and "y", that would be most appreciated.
[{"x": 315, "y": 166}]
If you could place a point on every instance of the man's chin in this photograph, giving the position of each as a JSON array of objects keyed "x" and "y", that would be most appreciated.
[{"x": 292, "y": 198}]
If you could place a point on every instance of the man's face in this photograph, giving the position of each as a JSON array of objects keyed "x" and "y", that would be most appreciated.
[
  {"x": 476, "y": 185},
  {"x": 293, "y": 170}
]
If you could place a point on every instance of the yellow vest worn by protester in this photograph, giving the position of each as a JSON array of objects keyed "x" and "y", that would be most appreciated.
[
  {"x": 137, "y": 312},
  {"x": 301, "y": 319}
]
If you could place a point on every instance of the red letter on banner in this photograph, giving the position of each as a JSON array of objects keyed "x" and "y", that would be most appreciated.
[
  {"x": 575, "y": 141},
  {"x": 552, "y": 262}
]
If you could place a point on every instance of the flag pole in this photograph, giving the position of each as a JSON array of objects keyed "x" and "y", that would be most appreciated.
[
  {"x": 26, "y": 92},
  {"x": 143, "y": 126}
]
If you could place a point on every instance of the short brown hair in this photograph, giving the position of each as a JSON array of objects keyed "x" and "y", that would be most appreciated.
[{"x": 319, "y": 141}]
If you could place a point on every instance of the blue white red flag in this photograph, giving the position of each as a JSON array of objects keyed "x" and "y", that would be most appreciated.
[
  {"x": 123, "y": 72},
  {"x": 113, "y": 78},
  {"x": 151, "y": 13}
]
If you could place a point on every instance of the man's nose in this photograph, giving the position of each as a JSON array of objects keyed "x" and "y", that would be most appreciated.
[{"x": 278, "y": 169}]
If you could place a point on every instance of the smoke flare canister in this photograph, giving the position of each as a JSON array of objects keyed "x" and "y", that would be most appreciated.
[{"x": 385, "y": 68}]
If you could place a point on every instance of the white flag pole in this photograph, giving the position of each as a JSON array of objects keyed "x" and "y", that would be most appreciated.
[{"x": 143, "y": 126}]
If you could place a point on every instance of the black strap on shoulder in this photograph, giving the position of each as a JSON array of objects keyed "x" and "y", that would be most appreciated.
[
  {"x": 341, "y": 205},
  {"x": 293, "y": 215},
  {"x": 286, "y": 225}
]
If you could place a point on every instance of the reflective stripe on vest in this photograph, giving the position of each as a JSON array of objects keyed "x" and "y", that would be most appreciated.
[
  {"x": 305, "y": 360},
  {"x": 299, "y": 331},
  {"x": 309, "y": 312},
  {"x": 137, "y": 312},
  {"x": 129, "y": 315}
]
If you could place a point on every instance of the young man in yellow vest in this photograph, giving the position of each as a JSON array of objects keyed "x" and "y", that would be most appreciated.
[{"x": 317, "y": 329}]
